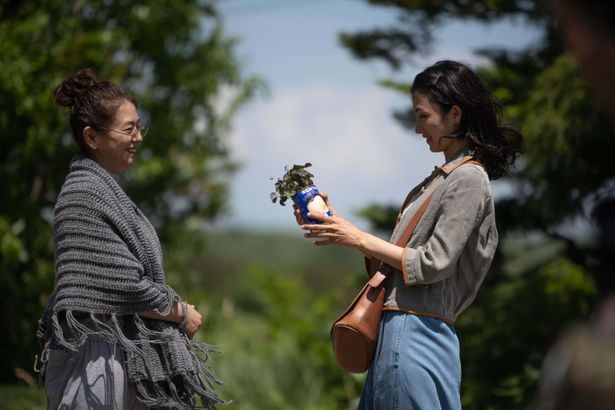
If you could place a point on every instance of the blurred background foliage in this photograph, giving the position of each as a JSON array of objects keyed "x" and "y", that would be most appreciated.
[{"x": 269, "y": 298}]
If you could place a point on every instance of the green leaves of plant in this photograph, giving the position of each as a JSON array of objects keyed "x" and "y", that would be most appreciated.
[{"x": 293, "y": 181}]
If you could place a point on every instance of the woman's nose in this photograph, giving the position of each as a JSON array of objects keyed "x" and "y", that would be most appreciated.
[{"x": 137, "y": 138}]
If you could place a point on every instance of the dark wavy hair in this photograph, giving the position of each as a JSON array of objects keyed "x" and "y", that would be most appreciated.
[
  {"x": 448, "y": 83},
  {"x": 92, "y": 103}
]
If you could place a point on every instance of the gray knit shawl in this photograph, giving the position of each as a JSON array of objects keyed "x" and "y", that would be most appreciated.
[{"x": 109, "y": 268}]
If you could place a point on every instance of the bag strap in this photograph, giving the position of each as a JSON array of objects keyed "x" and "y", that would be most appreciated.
[
  {"x": 378, "y": 276},
  {"x": 402, "y": 241},
  {"x": 407, "y": 234}
]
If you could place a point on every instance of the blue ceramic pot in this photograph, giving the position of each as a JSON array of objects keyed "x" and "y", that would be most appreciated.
[{"x": 305, "y": 201}]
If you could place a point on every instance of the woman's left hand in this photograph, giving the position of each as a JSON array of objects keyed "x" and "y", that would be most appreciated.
[
  {"x": 335, "y": 230},
  {"x": 195, "y": 321}
]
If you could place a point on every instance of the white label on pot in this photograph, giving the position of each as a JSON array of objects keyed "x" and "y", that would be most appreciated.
[{"x": 317, "y": 205}]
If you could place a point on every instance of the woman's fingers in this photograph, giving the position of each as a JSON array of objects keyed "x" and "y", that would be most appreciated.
[
  {"x": 321, "y": 217},
  {"x": 325, "y": 197},
  {"x": 194, "y": 322},
  {"x": 314, "y": 228},
  {"x": 319, "y": 234},
  {"x": 297, "y": 214}
]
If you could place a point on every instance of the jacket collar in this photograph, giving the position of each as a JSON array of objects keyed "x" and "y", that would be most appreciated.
[{"x": 461, "y": 156}]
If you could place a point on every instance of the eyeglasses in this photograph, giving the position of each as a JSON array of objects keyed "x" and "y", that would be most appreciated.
[{"x": 133, "y": 132}]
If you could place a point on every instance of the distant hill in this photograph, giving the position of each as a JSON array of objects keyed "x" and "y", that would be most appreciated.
[{"x": 213, "y": 261}]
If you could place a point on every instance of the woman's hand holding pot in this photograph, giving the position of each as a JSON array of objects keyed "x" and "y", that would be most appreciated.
[
  {"x": 334, "y": 230},
  {"x": 314, "y": 206}
]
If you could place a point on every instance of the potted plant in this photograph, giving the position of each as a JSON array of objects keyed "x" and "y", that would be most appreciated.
[{"x": 297, "y": 184}]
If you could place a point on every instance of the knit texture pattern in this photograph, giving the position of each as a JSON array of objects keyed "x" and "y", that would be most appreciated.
[{"x": 109, "y": 268}]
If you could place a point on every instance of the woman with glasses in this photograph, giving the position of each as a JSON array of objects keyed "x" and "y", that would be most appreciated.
[{"x": 115, "y": 335}]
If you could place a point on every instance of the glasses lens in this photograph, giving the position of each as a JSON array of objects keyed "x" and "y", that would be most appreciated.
[{"x": 143, "y": 131}]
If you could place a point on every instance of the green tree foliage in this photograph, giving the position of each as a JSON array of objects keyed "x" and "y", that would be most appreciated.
[
  {"x": 279, "y": 357},
  {"x": 270, "y": 306},
  {"x": 541, "y": 281},
  {"x": 568, "y": 142},
  {"x": 175, "y": 58}
]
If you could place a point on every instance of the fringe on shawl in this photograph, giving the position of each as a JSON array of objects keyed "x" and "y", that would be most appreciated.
[{"x": 177, "y": 390}]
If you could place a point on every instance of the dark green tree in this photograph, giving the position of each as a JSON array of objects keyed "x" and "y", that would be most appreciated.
[
  {"x": 541, "y": 277},
  {"x": 180, "y": 65}
]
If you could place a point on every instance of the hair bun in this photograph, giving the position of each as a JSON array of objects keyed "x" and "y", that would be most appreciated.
[{"x": 71, "y": 90}]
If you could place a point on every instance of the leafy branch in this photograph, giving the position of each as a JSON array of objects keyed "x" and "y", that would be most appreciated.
[{"x": 293, "y": 181}]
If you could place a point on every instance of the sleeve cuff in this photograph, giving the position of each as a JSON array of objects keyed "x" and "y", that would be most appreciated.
[{"x": 404, "y": 268}]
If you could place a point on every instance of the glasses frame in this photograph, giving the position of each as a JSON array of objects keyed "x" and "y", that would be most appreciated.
[{"x": 137, "y": 129}]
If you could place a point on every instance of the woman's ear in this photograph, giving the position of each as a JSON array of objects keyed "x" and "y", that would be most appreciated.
[
  {"x": 89, "y": 138},
  {"x": 456, "y": 113}
]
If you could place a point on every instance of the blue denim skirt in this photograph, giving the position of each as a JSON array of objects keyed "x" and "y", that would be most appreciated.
[{"x": 417, "y": 365}]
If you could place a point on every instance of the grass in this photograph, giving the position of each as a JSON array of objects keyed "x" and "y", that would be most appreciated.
[{"x": 15, "y": 397}]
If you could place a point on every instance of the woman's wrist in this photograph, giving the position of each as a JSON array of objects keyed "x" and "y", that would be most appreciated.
[
  {"x": 184, "y": 314},
  {"x": 363, "y": 243},
  {"x": 389, "y": 253}
]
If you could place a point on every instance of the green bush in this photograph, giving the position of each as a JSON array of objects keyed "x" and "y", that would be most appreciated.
[{"x": 21, "y": 398}]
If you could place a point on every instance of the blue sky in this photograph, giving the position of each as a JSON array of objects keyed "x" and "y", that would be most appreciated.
[{"x": 325, "y": 107}]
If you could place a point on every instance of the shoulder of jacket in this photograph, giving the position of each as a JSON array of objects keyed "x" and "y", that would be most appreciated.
[
  {"x": 470, "y": 172},
  {"x": 86, "y": 191},
  {"x": 82, "y": 183}
]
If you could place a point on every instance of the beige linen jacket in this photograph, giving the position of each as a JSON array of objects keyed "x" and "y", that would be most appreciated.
[{"x": 452, "y": 247}]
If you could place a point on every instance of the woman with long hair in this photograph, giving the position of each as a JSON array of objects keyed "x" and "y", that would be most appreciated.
[{"x": 435, "y": 277}]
